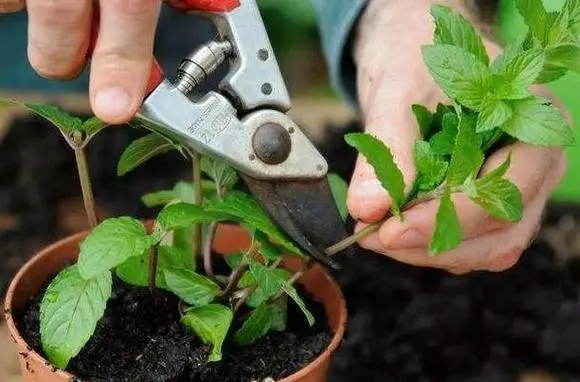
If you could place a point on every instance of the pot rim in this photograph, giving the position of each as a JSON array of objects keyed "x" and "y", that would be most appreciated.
[{"x": 16, "y": 337}]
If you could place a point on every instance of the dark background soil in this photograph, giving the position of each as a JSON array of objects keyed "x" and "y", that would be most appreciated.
[{"x": 405, "y": 323}]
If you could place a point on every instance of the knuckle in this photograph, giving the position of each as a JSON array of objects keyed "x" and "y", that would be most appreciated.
[
  {"x": 60, "y": 12},
  {"x": 47, "y": 65}
]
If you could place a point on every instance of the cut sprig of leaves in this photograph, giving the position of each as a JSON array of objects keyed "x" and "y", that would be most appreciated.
[{"x": 493, "y": 104}]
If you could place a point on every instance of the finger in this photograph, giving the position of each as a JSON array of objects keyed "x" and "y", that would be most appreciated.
[
  {"x": 121, "y": 62},
  {"x": 495, "y": 251},
  {"x": 528, "y": 170},
  {"x": 9, "y": 6},
  {"x": 58, "y": 36}
]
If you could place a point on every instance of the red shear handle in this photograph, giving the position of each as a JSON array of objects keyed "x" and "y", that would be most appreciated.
[{"x": 156, "y": 76}]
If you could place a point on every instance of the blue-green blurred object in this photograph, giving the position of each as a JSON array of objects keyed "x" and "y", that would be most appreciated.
[{"x": 566, "y": 88}]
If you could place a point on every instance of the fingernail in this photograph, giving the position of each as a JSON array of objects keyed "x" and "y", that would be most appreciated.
[
  {"x": 411, "y": 238},
  {"x": 112, "y": 102},
  {"x": 370, "y": 188}
]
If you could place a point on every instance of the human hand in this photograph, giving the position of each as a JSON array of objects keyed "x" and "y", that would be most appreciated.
[
  {"x": 391, "y": 77},
  {"x": 59, "y": 41}
]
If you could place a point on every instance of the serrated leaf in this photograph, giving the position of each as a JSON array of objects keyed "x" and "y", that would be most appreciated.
[
  {"x": 246, "y": 209},
  {"x": 69, "y": 312},
  {"x": 535, "y": 16},
  {"x": 520, "y": 71},
  {"x": 181, "y": 215},
  {"x": 110, "y": 244},
  {"x": 211, "y": 323},
  {"x": 141, "y": 150},
  {"x": 573, "y": 9},
  {"x": 379, "y": 156},
  {"x": 219, "y": 172},
  {"x": 564, "y": 56},
  {"x": 453, "y": 29},
  {"x": 135, "y": 270},
  {"x": 431, "y": 169},
  {"x": 467, "y": 157},
  {"x": 539, "y": 124},
  {"x": 443, "y": 142},
  {"x": 493, "y": 114},
  {"x": 55, "y": 115},
  {"x": 497, "y": 196},
  {"x": 269, "y": 279},
  {"x": 557, "y": 28},
  {"x": 424, "y": 119},
  {"x": 447, "y": 233},
  {"x": 92, "y": 126},
  {"x": 256, "y": 326},
  {"x": 339, "y": 190},
  {"x": 459, "y": 74},
  {"x": 280, "y": 313},
  {"x": 191, "y": 287},
  {"x": 293, "y": 294}
]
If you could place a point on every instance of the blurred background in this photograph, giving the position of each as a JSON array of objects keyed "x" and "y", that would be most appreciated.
[{"x": 38, "y": 203}]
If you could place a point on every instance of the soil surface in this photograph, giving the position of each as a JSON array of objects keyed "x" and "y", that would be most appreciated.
[{"x": 140, "y": 338}]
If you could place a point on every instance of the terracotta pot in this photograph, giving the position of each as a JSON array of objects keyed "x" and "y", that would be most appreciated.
[{"x": 31, "y": 277}]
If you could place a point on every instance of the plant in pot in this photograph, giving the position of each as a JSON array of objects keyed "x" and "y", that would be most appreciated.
[
  {"x": 492, "y": 107},
  {"x": 208, "y": 290}
]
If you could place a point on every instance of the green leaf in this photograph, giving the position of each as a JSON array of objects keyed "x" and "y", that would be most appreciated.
[
  {"x": 191, "y": 287},
  {"x": 69, "y": 312},
  {"x": 280, "y": 313},
  {"x": 211, "y": 323},
  {"x": 443, "y": 142},
  {"x": 293, "y": 294},
  {"x": 493, "y": 114},
  {"x": 431, "y": 169},
  {"x": 467, "y": 157},
  {"x": 496, "y": 195},
  {"x": 557, "y": 28},
  {"x": 135, "y": 270},
  {"x": 269, "y": 279},
  {"x": 573, "y": 9},
  {"x": 564, "y": 56},
  {"x": 92, "y": 126},
  {"x": 424, "y": 119},
  {"x": 267, "y": 249},
  {"x": 534, "y": 15},
  {"x": 339, "y": 190},
  {"x": 141, "y": 150},
  {"x": 539, "y": 124},
  {"x": 219, "y": 172},
  {"x": 452, "y": 28},
  {"x": 246, "y": 209},
  {"x": 379, "y": 156},
  {"x": 256, "y": 326},
  {"x": 234, "y": 260},
  {"x": 520, "y": 72},
  {"x": 459, "y": 74},
  {"x": 447, "y": 233},
  {"x": 58, "y": 117},
  {"x": 181, "y": 215},
  {"x": 181, "y": 192},
  {"x": 110, "y": 244},
  {"x": 158, "y": 198}
]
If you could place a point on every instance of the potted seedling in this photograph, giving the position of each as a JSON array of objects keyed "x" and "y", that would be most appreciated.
[{"x": 124, "y": 275}]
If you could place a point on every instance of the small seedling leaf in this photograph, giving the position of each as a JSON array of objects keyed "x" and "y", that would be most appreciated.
[
  {"x": 424, "y": 119},
  {"x": 564, "y": 56},
  {"x": 269, "y": 279},
  {"x": 256, "y": 326},
  {"x": 339, "y": 190},
  {"x": 293, "y": 294},
  {"x": 191, "y": 287},
  {"x": 58, "y": 117},
  {"x": 460, "y": 74},
  {"x": 453, "y": 29},
  {"x": 520, "y": 71},
  {"x": 70, "y": 310},
  {"x": 141, "y": 150},
  {"x": 467, "y": 157},
  {"x": 431, "y": 169},
  {"x": 379, "y": 156},
  {"x": 443, "y": 141},
  {"x": 211, "y": 323},
  {"x": 110, "y": 244},
  {"x": 219, "y": 172},
  {"x": 234, "y": 260},
  {"x": 534, "y": 15},
  {"x": 447, "y": 233},
  {"x": 267, "y": 249},
  {"x": 493, "y": 114},
  {"x": 92, "y": 126},
  {"x": 181, "y": 215},
  {"x": 537, "y": 123}
]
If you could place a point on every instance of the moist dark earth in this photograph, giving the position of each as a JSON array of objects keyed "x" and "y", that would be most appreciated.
[
  {"x": 405, "y": 323},
  {"x": 140, "y": 339}
]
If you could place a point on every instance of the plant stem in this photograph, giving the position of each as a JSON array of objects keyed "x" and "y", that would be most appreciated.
[
  {"x": 153, "y": 255},
  {"x": 207, "y": 263},
  {"x": 198, "y": 200},
  {"x": 239, "y": 271},
  {"x": 245, "y": 294},
  {"x": 85, "y": 181},
  {"x": 354, "y": 238}
]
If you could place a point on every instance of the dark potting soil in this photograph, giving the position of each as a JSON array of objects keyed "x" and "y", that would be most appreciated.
[{"x": 140, "y": 338}]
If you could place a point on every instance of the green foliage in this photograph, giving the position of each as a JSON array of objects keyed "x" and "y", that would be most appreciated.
[
  {"x": 191, "y": 287},
  {"x": 211, "y": 323},
  {"x": 256, "y": 326},
  {"x": 141, "y": 150}
]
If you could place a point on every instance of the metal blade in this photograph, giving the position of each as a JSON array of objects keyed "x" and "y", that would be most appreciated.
[{"x": 305, "y": 211}]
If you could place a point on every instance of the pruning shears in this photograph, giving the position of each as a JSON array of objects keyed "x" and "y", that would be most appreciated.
[{"x": 245, "y": 124}]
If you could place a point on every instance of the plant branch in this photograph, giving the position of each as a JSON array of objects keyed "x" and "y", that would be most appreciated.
[
  {"x": 207, "y": 260},
  {"x": 198, "y": 200},
  {"x": 85, "y": 181},
  {"x": 237, "y": 274},
  {"x": 153, "y": 255}
]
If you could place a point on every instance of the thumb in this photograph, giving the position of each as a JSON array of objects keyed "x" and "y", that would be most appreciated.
[{"x": 395, "y": 126}]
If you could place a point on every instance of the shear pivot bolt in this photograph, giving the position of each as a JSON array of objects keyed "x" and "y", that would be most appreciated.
[{"x": 271, "y": 143}]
